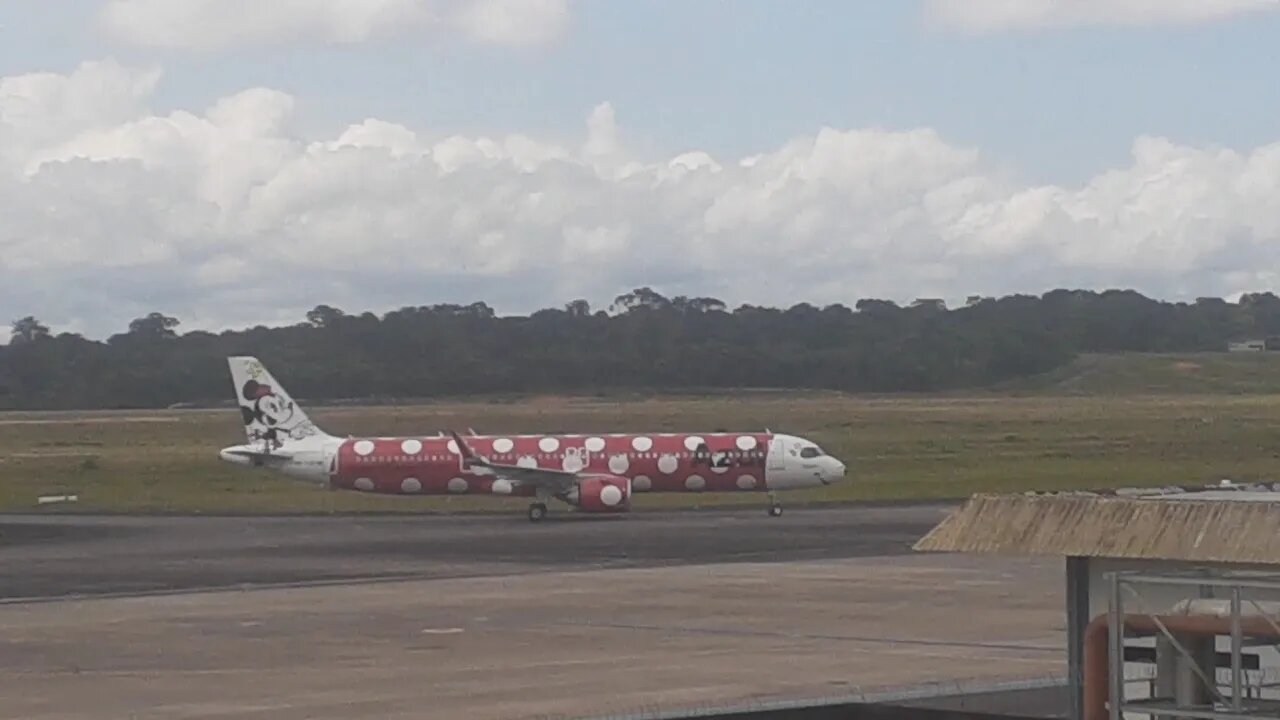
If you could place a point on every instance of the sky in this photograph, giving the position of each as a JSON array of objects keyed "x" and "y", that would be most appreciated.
[{"x": 236, "y": 162}]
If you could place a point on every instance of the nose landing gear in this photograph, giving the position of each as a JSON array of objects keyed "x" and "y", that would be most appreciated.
[{"x": 774, "y": 508}]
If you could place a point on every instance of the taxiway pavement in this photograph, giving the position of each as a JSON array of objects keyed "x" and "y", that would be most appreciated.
[
  {"x": 491, "y": 617},
  {"x": 54, "y": 556}
]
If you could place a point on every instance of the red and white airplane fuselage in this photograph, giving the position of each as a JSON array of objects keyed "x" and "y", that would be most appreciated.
[{"x": 594, "y": 473}]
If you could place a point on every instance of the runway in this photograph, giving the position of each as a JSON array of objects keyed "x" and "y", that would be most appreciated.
[
  {"x": 491, "y": 617},
  {"x": 50, "y": 557}
]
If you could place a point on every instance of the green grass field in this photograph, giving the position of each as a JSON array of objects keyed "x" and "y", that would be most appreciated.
[
  {"x": 1159, "y": 374},
  {"x": 897, "y": 448},
  {"x": 1103, "y": 422}
]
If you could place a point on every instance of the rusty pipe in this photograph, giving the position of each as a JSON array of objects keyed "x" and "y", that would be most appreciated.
[{"x": 1097, "y": 679}]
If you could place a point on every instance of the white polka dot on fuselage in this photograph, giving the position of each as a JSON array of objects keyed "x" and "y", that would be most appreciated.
[
  {"x": 695, "y": 482},
  {"x": 746, "y": 482},
  {"x": 746, "y": 442},
  {"x": 618, "y": 464},
  {"x": 527, "y": 461},
  {"x": 595, "y": 444},
  {"x": 411, "y": 485},
  {"x": 641, "y": 483},
  {"x": 411, "y": 447},
  {"x": 641, "y": 444},
  {"x": 572, "y": 463},
  {"x": 503, "y": 445},
  {"x": 692, "y": 442},
  {"x": 548, "y": 444},
  {"x": 364, "y": 447},
  {"x": 364, "y": 484},
  {"x": 668, "y": 464},
  {"x": 458, "y": 485}
]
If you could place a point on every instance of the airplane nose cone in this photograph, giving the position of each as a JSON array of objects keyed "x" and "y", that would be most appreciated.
[
  {"x": 834, "y": 472},
  {"x": 841, "y": 472}
]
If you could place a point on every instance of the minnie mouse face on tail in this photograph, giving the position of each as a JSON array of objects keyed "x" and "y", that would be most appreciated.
[{"x": 267, "y": 409}]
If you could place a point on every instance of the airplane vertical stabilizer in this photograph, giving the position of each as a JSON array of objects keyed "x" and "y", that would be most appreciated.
[{"x": 271, "y": 418}]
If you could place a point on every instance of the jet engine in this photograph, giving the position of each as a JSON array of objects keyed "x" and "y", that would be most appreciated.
[{"x": 602, "y": 494}]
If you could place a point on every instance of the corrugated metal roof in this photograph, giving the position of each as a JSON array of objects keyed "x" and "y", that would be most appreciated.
[
  {"x": 1226, "y": 489},
  {"x": 1187, "y": 528},
  {"x": 1227, "y": 495}
]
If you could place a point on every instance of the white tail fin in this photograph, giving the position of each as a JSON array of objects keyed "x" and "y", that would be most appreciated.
[{"x": 271, "y": 417}]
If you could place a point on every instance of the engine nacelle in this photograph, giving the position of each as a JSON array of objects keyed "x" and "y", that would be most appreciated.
[{"x": 602, "y": 494}]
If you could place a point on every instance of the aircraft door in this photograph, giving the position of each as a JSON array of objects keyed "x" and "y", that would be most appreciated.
[{"x": 777, "y": 454}]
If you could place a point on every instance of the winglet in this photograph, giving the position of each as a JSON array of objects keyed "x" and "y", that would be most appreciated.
[{"x": 469, "y": 457}]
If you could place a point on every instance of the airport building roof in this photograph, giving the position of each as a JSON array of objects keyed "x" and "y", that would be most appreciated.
[{"x": 1216, "y": 526}]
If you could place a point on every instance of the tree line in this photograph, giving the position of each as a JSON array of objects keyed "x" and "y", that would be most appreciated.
[{"x": 644, "y": 341}]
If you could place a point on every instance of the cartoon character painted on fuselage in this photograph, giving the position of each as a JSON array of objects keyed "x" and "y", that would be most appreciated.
[{"x": 594, "y": 473}]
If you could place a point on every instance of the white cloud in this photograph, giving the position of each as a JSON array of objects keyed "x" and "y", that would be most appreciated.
[
  {"x": 228, "y": 216},
  {"x": 514, "y": 22},
  {"x": 205, "y": 25},
  {"x": 43, "y": 108},
  {"x": 1001, "y": 15}
]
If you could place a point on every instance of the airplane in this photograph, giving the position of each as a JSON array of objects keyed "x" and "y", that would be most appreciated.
[{"x": 594, "y": 473}]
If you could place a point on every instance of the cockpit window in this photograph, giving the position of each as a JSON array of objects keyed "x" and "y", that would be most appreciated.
[{"x": 810, "y": 452}]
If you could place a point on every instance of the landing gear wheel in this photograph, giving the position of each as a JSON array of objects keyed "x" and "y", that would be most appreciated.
[
  {"x": 537, "y": 511},
  {"x": 775, "y": 510}
]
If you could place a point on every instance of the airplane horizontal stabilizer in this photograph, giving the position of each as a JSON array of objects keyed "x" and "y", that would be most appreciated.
[{"x": 259, "y": 454}]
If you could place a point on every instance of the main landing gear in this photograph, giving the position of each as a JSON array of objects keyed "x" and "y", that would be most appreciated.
[{"x": 774, "y": 508}]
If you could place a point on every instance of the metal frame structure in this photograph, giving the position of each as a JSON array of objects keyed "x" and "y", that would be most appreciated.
[
  {"x": 1210, "y": 698},
  {"x": 1077, "y": 586},
  {"x": 1156, "y": 534}
]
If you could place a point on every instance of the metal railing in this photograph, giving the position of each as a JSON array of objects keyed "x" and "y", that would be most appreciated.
[{"x": 1189, "y": 681}]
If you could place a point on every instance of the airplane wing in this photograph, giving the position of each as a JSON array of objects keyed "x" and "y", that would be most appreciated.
[{"x": 554, "y": 480}]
